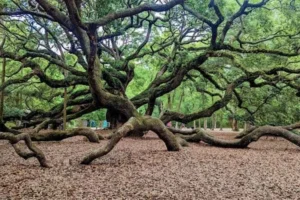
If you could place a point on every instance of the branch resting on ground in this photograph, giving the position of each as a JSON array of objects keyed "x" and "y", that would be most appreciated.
[
  {"x": 35, "y": 151},
  {"x": 254, "y": 134},
  {"x": 136, "y": 124},
  {"x": 60, "y": 135}
]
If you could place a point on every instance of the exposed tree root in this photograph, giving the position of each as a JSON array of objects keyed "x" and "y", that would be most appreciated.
[
  {"x": 136, "y": 124},
  {"x": 35, "y": 151},
  {"x": 60, "y": 135},
  {"x": 198, "y": 135}
]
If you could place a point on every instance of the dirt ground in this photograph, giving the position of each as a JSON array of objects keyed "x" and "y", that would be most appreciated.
[{"x": 143, "y": 169}]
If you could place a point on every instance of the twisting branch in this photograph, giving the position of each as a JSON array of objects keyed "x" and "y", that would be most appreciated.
[
  {"x": 35, "y": 151},
  {"x": 133, "y": 11},
  {"x": 252, "y": 135}
]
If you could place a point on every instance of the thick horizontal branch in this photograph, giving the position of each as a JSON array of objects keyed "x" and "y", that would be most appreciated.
[
  {"x": 252, "y": 136},
  {"x": 133, "y": 11}
]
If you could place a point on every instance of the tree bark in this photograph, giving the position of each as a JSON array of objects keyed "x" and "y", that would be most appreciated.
[
  {"x": 136, "y": 124},
  {"x": 115, "y": 118},
  {"x": 2, "y": 92},
  {"x": 235, "y": 125},
  {"x": 252, "y": 136},
  {"x": 35, "y": 151},
  {"x": 60, "y": 135}
]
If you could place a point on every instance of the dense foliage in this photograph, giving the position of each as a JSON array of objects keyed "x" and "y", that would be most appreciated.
[{"x": 182, "y": 57}]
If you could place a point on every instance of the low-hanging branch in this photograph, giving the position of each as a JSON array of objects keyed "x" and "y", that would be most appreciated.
[
  {"x": 35, "y": 151},
  {"x": 61, "y": 135},
  {"x": 246, "y": 138}
]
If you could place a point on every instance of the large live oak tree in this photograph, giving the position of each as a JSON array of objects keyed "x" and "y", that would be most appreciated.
[{"x": 108, "y": 42}]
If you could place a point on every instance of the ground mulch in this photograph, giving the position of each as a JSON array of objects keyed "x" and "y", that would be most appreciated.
[{"x": 143, "y": 169}]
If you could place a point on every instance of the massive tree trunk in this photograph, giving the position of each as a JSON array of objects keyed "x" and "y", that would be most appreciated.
[
  {"x": 120, "y": 104},
  {"x": 115, "y": 118},
  {"x": 138, "y": 124}
]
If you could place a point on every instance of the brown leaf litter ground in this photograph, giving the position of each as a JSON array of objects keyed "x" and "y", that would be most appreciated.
[{"x": 143, "y": 169}]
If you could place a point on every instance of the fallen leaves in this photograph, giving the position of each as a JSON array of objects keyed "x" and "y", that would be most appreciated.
[{"x": 143, "y": 169}]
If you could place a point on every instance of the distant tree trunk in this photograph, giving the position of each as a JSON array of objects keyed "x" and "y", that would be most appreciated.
[
  {"x": 221, "y": 123},
  {"x": 230, "y": 121},
  {"x": 247, "y": 126},
  {"x": 115, "y": 118},
  {"x": 235, "y": 125},
  {"x": 179, "y": 105},
  {"x": 65, "y": 109},
  {"x": 205, "y": 124},
  {"x": 150, "y": 108},
  {"x": 54, "y": 126},
  {"x": 161, "y": 109},
  {"x": 221, "y": 126},
  {"x": 195, "y": 126},
  {"x": 65, "y": 72},
  {"x": 2, "y": 92},
  {"x": 199, "y": 124},
  {"x": 213, "y": 122},
  {"x": 169, "y": 102}
]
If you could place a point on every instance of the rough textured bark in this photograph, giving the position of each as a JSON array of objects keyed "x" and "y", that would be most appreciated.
[
  {"x": 60, "y": 135},
  {"x": 35, "y": 151},
  {"x": 136, "y": 124},
  {"x": 278, "y": 131},
  {"x": 245, "y": 132}
]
